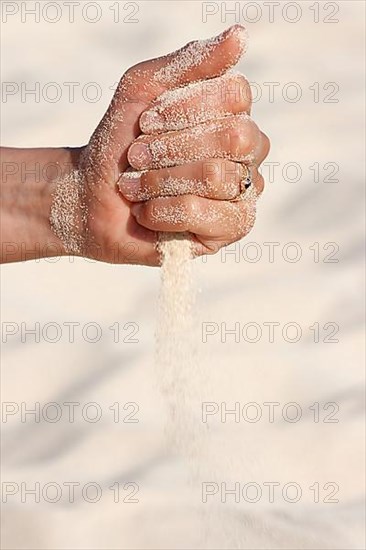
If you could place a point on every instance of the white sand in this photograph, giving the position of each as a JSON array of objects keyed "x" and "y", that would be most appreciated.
[{"x": 167, "y": 515}]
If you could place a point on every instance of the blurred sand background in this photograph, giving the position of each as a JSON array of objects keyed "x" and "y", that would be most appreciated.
[{"x": 304, "y": 212}]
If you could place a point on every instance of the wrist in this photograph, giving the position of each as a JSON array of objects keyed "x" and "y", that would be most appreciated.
[{"x": 29, "y": 181}]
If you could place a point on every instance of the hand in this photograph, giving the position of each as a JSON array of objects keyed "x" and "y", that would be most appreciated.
[
  {"x": 207, "y": 158},
  {"x": 191, "y": 172}
]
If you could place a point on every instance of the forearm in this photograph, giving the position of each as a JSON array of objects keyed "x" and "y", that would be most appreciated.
[{"x": 28, "y": 182}]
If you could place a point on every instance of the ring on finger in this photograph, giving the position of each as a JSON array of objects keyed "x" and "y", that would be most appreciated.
[{"x": 244, "y": 184}]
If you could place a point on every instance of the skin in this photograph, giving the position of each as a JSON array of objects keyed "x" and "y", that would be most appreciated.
[{"x": 201, "y": 159}]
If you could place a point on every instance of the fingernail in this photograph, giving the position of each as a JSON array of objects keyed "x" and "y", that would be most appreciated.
[
  {"x": 237, "y": 28},
  {"x": 242, "y": 35},
  {"x": 151, "y": 121},
  {"x": 129, "y": 183},
  {"x": 230, "y": 30},
  {"x": 139, "y": 156}
]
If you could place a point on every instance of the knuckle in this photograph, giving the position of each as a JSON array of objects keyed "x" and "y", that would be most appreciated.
[
  {"x": 252, "y": 131},
  {"x": 239, "y": 137},
  {"x": 266, "y": 144}
]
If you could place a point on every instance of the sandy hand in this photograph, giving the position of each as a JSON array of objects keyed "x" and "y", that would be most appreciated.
[
  {"x": 112, "y": 220},
  {"x": 143, "y": 83}
]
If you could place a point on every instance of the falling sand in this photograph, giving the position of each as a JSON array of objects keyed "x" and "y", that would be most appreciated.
[{"x": 175, "y": 357}]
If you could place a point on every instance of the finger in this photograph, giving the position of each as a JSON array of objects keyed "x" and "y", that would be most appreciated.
[
  {"x": 264, "y": 149},
  {"x": 198, "y": 60},
  {"x": 218, "y": 179},
  {"x": 209, "y": 220},
  {"x": 196, "y": 103},
  {"x": 107, "y": 150},
  {"x": 236, "y": 138}
]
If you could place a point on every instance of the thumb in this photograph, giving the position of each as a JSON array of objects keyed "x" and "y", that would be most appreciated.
[
  {"x": 198, "y": 60},
  {"x": 141, "y": 84}
]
